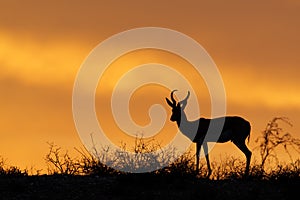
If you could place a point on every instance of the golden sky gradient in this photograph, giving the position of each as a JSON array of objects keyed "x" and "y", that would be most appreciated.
[{"x": 43, "y": 44}]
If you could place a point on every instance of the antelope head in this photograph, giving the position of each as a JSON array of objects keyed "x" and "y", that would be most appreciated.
[{"x": 177, "y": 108}]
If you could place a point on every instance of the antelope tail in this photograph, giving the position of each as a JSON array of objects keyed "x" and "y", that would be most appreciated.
[
  {"x": 249, "y": 134},
  {"x": 248, "y": 139}
]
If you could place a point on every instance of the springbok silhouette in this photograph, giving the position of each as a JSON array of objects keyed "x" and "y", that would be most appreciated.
[{"x": 235, "y": 129}]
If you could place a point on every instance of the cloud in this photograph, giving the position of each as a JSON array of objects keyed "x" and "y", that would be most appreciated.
[
  {"x": 247, "y": 86},
  {"x": 39, "y": 62}
]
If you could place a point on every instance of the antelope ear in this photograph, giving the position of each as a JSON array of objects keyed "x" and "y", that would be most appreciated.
[{"x": 169, "y": 102}]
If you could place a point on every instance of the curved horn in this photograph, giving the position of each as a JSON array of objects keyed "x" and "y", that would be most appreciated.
[
  {"x": 172, "y": 97},
  {"x": 184, "y": 101},
  {"x": 187, "y": 96}
]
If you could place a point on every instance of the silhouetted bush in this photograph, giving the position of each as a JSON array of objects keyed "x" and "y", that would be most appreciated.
[
  {"x": 60, "y": 162},
  {"x": 6, "y": 170},
  {"x": 184, "y": 166},
  {"x": 274, "y": 137}
]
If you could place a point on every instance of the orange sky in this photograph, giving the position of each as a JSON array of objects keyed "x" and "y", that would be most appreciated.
[{"x": 42, "y": 45}]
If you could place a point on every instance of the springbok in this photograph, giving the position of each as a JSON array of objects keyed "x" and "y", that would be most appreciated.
[{"x": 235, "y": 129}]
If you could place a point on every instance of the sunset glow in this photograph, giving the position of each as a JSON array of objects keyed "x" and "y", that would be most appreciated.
[{"x": 255, "y": 47}]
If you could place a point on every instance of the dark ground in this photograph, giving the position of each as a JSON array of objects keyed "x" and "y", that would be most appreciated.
[{"x": 142, "y": 186}]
